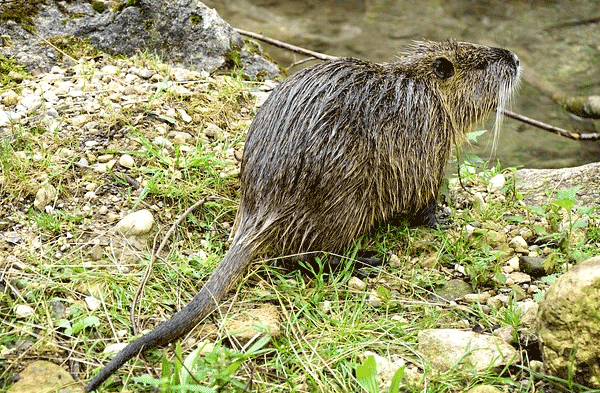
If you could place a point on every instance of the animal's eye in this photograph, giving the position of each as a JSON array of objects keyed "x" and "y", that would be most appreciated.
[{"x": 443, "y": 68}]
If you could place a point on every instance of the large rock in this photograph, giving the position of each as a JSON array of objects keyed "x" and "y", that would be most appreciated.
[
  {"x": 183, "y": 32},
  {"x": 535, "y": 183},
  {"x": 568, "y": 324},
  {"x": 43, "y": 376},
  {"x": 449, "y": 348}
]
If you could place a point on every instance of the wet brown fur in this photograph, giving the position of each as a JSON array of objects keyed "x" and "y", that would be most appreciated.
[{"x": 337, "y": 148}]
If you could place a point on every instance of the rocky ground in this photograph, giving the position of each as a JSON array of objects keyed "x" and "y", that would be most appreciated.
[{"x": 85, "y": 145}]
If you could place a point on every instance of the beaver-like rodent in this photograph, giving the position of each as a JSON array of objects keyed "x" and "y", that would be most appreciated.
[{"x": 341, "y": 146}]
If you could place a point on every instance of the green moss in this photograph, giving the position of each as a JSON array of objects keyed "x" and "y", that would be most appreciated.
[
  {"x": 76, "y": 15},
  {"x": 22, "y": 12},
  {"x": 252, "y": 46},
  {"x": 148, "y": 23},
  {"x": 195, "y": 19},
  {"x": 128, "y": 3},
  {"x": 261, "y": 75},
  {"x": 99, "y": 6},
  {"x": 6, "y": 66},
  {"x": 73, "y": 47},
  {"x": 234, "y": 57}
]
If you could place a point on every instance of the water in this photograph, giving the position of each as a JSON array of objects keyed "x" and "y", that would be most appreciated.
[{"x": 557, "y": 41}]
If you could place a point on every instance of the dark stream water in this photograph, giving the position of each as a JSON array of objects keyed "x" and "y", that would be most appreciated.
[{"x": 557, "y": 41}]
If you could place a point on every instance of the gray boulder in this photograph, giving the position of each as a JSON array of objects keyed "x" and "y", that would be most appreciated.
[
  {"x": 568, "y": 327},
  {"x": 185, "y": 33},
  {"x": 534, "y": 184},
  {"x": 452, "y": 348}
]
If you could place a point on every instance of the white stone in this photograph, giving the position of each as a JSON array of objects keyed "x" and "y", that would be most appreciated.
[
  {"x": 469, "y": 230},
  {"x": 74, "y": 92},
  {"x": 478, "y": 201},
  {"x": 529, "y": 309},
  {"x": 10, "y": 98},
  {"x": 137, "y": 223},
  {"x": 114, "y": 348},
  {"x": 374, "y": 301},
  {"x": 50, "y": 96},
  {"x": 31, "y": 102},
  {"x": 476, "y": 297},
  {"x": 4, "y": 118},
  {"x": 181, "y": 74},
  {"x": 110, "y": 69},
  {"x": 520, "y": 278},
  {"x": 44, "y": 196},
  {"x": 498, "y": 181},
  {"x": 127, "y": 161},
  {"x": 184, "y": 116},
  {"x": 460, "y": 268},
  {"x": 268, "y": 85},
  {"x": 448, "y": 348},
  {"x": 385, "y": 368},
  {"x": 79, "y": 120},
  {"x": 180, "y": 137},
  {"x": 162, "y": 142},
  {"x": 100, "y": 168},
  {"x": 23, "y": 311},
  {"x": 514, "y": 263},
  {"x": 131, "y": 78},
  {"x": 182, "y": 91},
  {"x": 518, "y": 242},
  {"x": 356, "y": 284},
  {"x": 92, "y": 303},
  {"x": 83, "y": 163}
]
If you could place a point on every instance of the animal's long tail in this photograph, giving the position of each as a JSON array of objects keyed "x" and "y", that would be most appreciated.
[{"x": 227, "y": 274}]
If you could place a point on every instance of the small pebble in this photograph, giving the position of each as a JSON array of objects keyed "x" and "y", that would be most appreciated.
[
  {"x": 23, "y": 311},
  {"x": 114, "y": 348},
  {"x": 92, "y": 303},
  {"x": 514, "y": 263},
  {"x": 476, "y": 297},
  {"x": 497, "y": 182},
  {"x": 126, "y": 161},
  {"x": 518, "y": 242},
  {"x": 162, "y": 142},
  {"x": 137, "y": 223},
  {"x": 374, "y": 301},
  {"x": 356, "y": 284}
]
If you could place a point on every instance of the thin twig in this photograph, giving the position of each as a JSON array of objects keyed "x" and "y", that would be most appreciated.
[
  {"x": 555, "y": 130},
  {"x": 55, "y": 47},
  {"x": 516, "y": 116},
  {"x": 573, "y": 23},
  {"x": 142, "y": 284},
  {"x": 302, "y": 61},
  {"x": 284, "y": 45}
]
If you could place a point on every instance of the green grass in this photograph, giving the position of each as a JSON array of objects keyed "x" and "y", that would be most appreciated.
[{"x": 326, "y": 327}]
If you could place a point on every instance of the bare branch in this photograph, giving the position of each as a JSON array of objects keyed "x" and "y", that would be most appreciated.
[
  {"x": 555, "y": 130},
  {"x": 285, "y": 45}
]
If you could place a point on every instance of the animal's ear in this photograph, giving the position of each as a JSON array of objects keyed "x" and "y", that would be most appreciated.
[{"x": 443, "y": 68}]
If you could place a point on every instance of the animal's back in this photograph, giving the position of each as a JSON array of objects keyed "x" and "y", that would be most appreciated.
[{"x": 338, "y": 148}]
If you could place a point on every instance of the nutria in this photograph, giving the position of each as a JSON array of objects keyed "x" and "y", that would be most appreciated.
[{"x": 341, "y": 146}]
